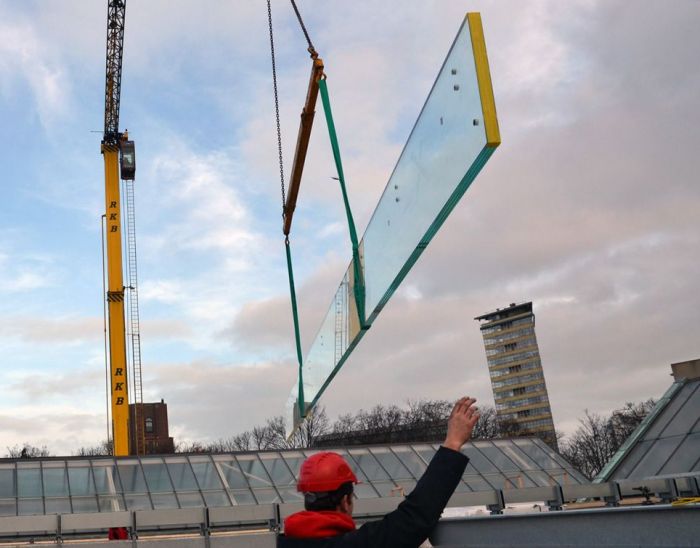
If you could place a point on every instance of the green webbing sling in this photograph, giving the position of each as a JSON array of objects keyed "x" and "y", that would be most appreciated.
[
  {"x": 359, "y": 282},
  {"x": 295, "y": 314}
]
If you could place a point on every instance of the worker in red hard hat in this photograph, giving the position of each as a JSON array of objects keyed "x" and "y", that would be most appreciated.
[{"x": 327, "y": 482}]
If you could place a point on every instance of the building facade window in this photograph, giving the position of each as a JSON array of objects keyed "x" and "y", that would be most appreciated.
[{"x": 149, "y": 425}]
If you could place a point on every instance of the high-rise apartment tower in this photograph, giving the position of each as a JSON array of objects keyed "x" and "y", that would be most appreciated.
[{"x": 517, "y": 379}]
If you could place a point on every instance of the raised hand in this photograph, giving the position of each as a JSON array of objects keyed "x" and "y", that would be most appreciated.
[{"x": 461, "y": 423}]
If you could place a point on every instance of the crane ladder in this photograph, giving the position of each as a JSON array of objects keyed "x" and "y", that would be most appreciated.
[{"x": 133, "y": 327}]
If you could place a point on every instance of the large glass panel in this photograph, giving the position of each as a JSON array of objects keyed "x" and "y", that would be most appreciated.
[
  {"x": 111, "y": 503},
  {"x": 445, "y": 151},
  {"x": 205, "y": 473},
  {"x": 290, "y": 494},
  {"x": 390, "y": 463},
  {"x": 84, "y": 504},
  {"x": 253, "y": 470},
  {"x": 410, "y": 460},
  {"x": 164, "y": 500},
  {"x": 387, "y": 488},
  {"x": 30, "y": 507},
  {"x": 656, "y": 457},
  {"x": 80, "y": 478},
  {"x": 520, "y": 479},
  {"x": 266, "y": 496},
  {"x": 499, "y": 481},
  {"x": 106, "y": 479},
  {"x": 541, "y": 479},
  {"x": 293, "y": 460},
  {"x": 476, "y": 483},
  {"x": 277, "y": 469},
  {"x": 157, "y": 477},
  {"x": 515, "y": 454},
  {"x": 479, "y": 462},
  {"x": 561, "y": 461},
  {"x": 667, "y": 416},
  {"x": 131, "y": 476},
  {"x": 8, "y": 487},
  {"x": 55, "y": 479},
  {"x": 365, "y": 491},
  {"x": 8, "y": 507},
  {"x": 58, "y": 505},
  {"x": 686, "y": 457},
  {"x": 563, "y": 477},
  {"x": 216, "y": 498},
  {"x": 542, "y": 459},
  {"x": 634, "y": 456},
  {"x": 426, "y": 452},
  {"x": 190, "y": 500},
  {"x": 137, "y": 502},
  {"x": 242, "y": 496},
  {"x": 231, "y": 472},
  {"x": 497, "y": 457},
  {"x": 29, "y": 480},
  {"x": 181, "y": 474},
  {"x": 687, "y": 419},
  {"x": 369, "y": 464}
]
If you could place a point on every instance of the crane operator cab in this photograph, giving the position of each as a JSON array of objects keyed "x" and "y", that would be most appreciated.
[{"x": 128, "y": 159}]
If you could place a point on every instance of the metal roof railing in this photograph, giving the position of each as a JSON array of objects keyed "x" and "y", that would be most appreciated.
[{"x": 258, "y": 525}]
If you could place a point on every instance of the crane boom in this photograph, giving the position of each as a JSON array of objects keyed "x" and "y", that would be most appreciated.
[
  {"x": 116, "y": 10},
  {"x": 115, "y": 292}
]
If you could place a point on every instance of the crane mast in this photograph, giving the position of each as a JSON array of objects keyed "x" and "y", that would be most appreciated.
[{"x": 115, "y": 284}]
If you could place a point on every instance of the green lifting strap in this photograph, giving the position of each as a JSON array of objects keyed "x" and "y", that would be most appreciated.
[
  {"x": 295, "y": 314},
  {"x": 359, "y": 281}
]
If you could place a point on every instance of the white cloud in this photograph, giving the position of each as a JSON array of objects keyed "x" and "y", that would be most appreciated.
[
  {"x": 24, "y": 54},
  {"x": 21, "y": 270},
  {"x": 52, "y": 330},
  {"x": 166, "y": 291},
  {"x": 208, "y": 212}
]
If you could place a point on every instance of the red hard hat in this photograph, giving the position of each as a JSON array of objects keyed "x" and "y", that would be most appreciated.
[{"x": 324, "y": 472}]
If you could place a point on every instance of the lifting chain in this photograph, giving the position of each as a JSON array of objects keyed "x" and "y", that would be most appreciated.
[
  {"x": 277, "y": 107},
  {"x": 311, "y": 48},
  {"x": 301, "y": 404}
]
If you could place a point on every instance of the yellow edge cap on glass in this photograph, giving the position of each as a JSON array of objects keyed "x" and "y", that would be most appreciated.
[{"x": 483, "y": 76}]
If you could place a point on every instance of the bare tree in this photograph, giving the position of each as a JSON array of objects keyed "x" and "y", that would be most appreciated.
[
  {"x": 344, "y": 424},
  {"x": 591, "y": 446},
  {"x": 625, "y": 420},
  {"x": 104, "y": 448},
  {"x": 380, "y": 418},
  {"x": 27, "y": 451},
  {"x": 241, "y": 442},
  {"x": 315, "y": 426},
  {"x": 427, "y": 411},
  {"x": 191, "y": 447},
  {"x": 487, "y": 427},
  {"x": 598, "y": 438}
]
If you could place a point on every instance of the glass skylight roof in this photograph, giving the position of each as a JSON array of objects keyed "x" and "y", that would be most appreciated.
[
  {"x": 105, "y": 484},
  {"x": 666, "y": 444}
]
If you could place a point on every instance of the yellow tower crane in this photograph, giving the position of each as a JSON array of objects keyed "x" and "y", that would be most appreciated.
[{"x": 118, "y": 152}]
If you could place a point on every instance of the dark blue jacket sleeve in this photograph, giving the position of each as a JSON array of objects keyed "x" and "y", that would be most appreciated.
[{"x": 415, "y": 518}]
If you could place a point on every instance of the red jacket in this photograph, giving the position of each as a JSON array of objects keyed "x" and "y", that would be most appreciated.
[{"x": 318, "y": 524}]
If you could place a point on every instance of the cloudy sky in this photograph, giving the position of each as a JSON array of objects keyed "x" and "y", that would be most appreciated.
[{"x": 589, "y": 208}]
